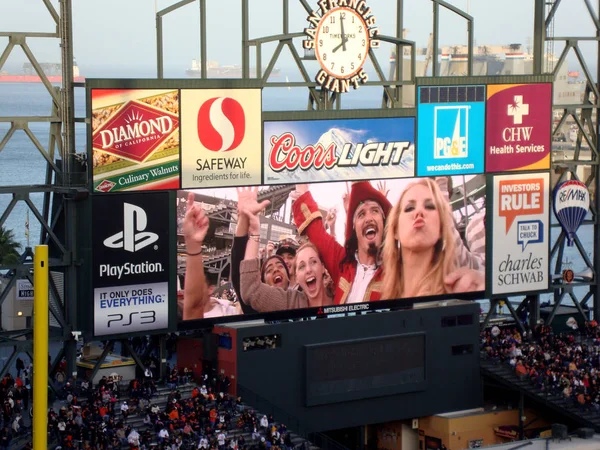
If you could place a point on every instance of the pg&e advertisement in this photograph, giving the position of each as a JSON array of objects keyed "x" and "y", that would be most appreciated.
[
  {"x": 131, "y": 249},
  {"x": 450, "y": 130},
  {"x": 521, "y": 233}
]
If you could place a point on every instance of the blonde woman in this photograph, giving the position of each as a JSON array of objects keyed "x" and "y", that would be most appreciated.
[{"x": 419, "y": 253}]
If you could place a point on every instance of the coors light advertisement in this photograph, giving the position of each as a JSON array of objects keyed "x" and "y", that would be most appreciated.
[
  {"x": 135, "y": 139},
  {"x": 337, "y": 150}
]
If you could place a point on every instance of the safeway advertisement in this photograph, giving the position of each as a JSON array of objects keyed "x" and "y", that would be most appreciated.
[
  {"x": 518, "y": 127},
  {"x": 520, "y": 233},
  {"x": 337, "y": 150},
  {"x": 220, "y": 137}
]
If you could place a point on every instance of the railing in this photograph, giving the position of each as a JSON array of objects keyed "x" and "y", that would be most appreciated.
[
  {"x": 325, "y": 442},
  {"x": 264, "y": 406}
]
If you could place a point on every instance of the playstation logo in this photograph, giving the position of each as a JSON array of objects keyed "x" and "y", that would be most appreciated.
[{"x": 133, "y": 237}]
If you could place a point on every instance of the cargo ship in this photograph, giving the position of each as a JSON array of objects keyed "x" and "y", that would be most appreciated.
[
  {"x": 53, "y": 72},
  {"x": 215, "y": 70}
]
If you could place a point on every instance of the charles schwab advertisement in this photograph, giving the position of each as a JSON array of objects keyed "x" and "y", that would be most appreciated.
[
  {"x": 130, "y": 263},
  {"x": 520, "y": 230}
]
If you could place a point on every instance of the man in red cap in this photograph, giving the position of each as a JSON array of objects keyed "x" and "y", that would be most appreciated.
[{"x": 355, "y": 267}]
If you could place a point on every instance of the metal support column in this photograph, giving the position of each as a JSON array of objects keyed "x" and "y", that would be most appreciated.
[
  {"x": 521, "y": 416},
  {"x": 68, "y": 119},
  {"x": 203, "y": 34},
  {"x": 534, "y": 311},
  {"x": 539, "y": 33},
  {"x": 163, "y": 357},
  {"x": 435, "y": 68},
  {"x": 245, "y": 39}
]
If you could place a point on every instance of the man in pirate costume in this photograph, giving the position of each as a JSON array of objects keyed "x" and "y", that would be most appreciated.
[{"x": 355, "y": 267}]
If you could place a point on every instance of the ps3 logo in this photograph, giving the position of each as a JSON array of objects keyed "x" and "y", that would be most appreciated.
[
  {"x": 144, "y": 318},
  {"x": 133, "y": 237},
  {"x": 221, "y": 124}
]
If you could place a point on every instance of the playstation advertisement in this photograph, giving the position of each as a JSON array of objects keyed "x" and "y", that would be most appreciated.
[{"x": 131, "y": 263}]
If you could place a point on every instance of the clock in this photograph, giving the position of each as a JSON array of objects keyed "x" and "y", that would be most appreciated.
[
  {"x": 341, "y": 42},
  {"x": 341, "y": 33}
]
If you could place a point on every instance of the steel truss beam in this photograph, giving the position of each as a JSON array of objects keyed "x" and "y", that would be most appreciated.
[
  {"x": 585, "y": 116},
  {"x": 57, "y": 181}
]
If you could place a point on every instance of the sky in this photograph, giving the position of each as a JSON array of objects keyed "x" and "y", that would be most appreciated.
[{"x": 117, "y": 38}]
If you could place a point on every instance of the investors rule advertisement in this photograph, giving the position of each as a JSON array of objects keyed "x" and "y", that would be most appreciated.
[
  {"x": 130, "y": 263},
  {"x": 220, "y": 137},
  {"x": 450, "y": 130},
  {"x": 518, "y": 127},
  {"x": 337, "y": 150},
  {"x": 135, "y": 139},
  {"x": 520, "y": 233}
]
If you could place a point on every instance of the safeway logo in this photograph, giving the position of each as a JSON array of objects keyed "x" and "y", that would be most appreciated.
[
  {"x": 221, "y": 124},
  {"x": 133, "y": 237}
]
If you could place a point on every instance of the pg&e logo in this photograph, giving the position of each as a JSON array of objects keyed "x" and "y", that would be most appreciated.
[
  {"x": 221, "y": 124},
  {"x": 450, "y": 132},
  {"x": 133, "y": 237}
]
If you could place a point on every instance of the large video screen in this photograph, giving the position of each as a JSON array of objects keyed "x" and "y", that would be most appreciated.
[
  {"x": 282, "y": 214},
  {"x": 256, "y": 250}
]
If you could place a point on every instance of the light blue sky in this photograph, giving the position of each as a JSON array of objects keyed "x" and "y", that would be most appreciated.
[{"x": 117, "y": 37}]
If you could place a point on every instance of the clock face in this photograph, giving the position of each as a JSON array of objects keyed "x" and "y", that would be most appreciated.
[{"x": 342, "y": 42}]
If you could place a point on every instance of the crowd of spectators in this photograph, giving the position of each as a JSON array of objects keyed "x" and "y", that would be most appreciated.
[
  {"x": 15, "y": 398},
  {"x": 101, "y": 416},
  {"x": 565, "y": 364}
]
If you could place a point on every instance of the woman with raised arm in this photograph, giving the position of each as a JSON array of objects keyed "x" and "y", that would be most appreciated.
[
  {"x": 265, "y": 297},
  {"x": 197, "y": 302}
]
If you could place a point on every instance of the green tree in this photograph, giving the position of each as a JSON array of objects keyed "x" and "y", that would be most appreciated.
[{"x": 9, "y": 248}]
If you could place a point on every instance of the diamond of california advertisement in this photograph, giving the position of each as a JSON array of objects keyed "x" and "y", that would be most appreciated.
[{"x": 135, "y": 139}]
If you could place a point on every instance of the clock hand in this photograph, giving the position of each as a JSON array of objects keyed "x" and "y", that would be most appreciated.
[
  {"x": 344, "y": 40},
  {"x": 337, "y": 47}
]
